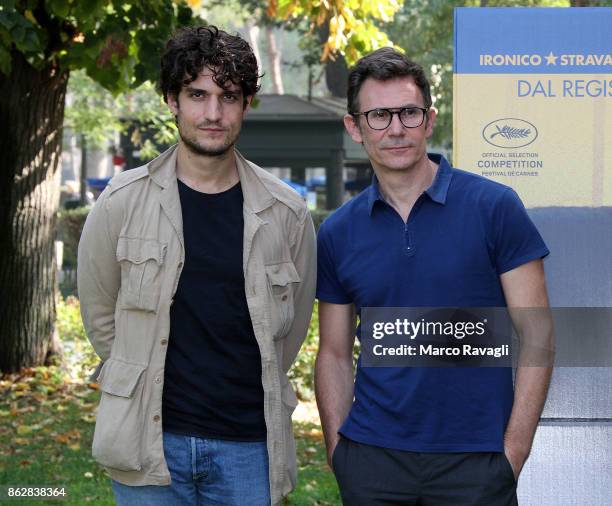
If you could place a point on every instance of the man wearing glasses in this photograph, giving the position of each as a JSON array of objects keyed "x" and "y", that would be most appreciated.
[{"x": 422, "y": 235}]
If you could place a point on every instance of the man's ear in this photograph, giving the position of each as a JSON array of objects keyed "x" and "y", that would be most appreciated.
[
  {"x": 351, "y": 123},
  {"x": 173, "y": 103},
  {"x": 431, "y": 121},
  {"x": 247, "y": 104}
]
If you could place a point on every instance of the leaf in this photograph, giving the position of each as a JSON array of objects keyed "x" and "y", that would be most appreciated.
[
  {"x": 30, "y": 42},
  {"x": 59, "y": 8},
  {"x": 61, "y": 438},
  {"x": 18, "y": 33},
  {"x": 22, "y": 430},
  {"x": 75, "y": 446}
]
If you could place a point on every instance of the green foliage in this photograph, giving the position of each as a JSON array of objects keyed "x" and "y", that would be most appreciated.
[
  {"x": 145, "y": 111},
  {"x": 91, "y": 110},
  {"x": 316, "y": 485},
  {"x": 301, "y": 373},
  {"x": 45, "y": 439},
  {"x": 354, "y": 25},
  {"x": 95, "y": 113},
  {"x": 117, "y": 42},
  {"x": 70, "y": 225},
  {"x": 319, "y": 216},
  {"x": 47, "y": 417},
  {"x": 80, "y": 359}
]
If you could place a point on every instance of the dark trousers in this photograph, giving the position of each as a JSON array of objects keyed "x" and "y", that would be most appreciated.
[{"x": 374, "y": 476}]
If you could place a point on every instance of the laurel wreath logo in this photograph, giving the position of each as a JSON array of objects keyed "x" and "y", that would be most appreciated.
[{"x": 508, "y": 132}]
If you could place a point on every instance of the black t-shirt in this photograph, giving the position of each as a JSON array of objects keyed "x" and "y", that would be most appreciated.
[{"x": 212, "y": 386}]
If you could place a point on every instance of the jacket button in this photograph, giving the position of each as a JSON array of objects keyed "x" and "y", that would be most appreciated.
[
  {"x": 158, "y": 380},
  {"x": 284, "y": 298},
  {"x": 276, "y": 269},
  {"x": 164, "y": 342},
  {"x": 156, "y": 418}
]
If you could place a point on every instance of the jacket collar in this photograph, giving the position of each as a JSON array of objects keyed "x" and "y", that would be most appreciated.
[{"x": 257, "y": 196}]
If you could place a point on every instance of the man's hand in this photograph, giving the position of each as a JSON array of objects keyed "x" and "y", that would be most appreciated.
[
  {"x": 334, "y": 380},
  {"x": 517, "y": 459},
  {"x": 331, "y": 448}
]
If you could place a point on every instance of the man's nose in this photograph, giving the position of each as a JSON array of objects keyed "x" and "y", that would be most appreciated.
[
  {"x": 396, "y": 128},
  {"x": 212, "y": 109}
]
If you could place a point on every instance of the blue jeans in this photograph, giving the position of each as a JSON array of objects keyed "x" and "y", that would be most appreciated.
[{"x": 205, "y": 472}]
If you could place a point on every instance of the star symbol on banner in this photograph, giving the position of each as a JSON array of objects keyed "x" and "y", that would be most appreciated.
[{"x": 551, "y": 59}]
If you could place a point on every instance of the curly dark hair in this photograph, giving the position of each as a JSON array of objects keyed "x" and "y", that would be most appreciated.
[{"x": 190, "y": 49}]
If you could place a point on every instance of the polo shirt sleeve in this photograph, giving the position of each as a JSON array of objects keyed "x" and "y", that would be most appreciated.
[
  {"x": 516, "y": 238},
  {"x": 329, "y": 288}
]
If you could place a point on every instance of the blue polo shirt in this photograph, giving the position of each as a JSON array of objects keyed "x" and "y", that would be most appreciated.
[{"x": 463, "y": 232}]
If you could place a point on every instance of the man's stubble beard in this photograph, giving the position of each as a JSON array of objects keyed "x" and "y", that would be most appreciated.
[{"x": 196, "y": 148}]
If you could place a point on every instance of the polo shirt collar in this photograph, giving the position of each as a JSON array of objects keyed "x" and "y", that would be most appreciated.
[
  {"x": 439, "y": 186},
  {"x": 436, "y": 192}
]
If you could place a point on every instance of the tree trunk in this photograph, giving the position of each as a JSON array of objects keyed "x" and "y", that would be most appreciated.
[
  {"x": 336, "y": 71},
  {"x": 253, "y": 31},
  {"x": 336, "y": 76},
  {"x": 275, "y": 62},
  {"x": 31, "y": 112}
]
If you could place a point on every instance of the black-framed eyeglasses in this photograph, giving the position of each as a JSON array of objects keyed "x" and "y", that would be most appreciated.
[{"x": 380, "y": 118}]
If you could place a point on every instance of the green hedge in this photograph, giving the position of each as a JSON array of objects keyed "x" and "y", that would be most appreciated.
[
  {"x": 318, "y": 217},
  {"x": 70, "y": 225}
]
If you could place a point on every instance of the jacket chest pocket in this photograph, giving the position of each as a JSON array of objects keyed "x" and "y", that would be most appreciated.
[
  {"x": 281, "y": 278},
  {"x": 141, "y": 261}
]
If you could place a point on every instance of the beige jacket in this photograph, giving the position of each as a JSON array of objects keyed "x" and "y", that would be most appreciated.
[{"x": 130, "y": 258}]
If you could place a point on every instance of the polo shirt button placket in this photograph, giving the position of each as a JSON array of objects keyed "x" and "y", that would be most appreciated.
[{"x": 408, "y": 239}]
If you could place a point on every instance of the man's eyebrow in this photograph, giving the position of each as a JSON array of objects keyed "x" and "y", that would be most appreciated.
[
  {"x": 191, "y": 89},
  {"x": 406, "y": 106}
]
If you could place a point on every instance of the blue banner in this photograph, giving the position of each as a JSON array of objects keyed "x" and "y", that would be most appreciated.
[{"x": 546, "y": 41}]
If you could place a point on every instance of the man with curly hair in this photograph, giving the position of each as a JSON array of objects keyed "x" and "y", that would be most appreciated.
[{"x": 197, "y": 279}]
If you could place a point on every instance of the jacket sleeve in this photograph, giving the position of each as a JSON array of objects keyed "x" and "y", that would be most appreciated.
[
  {"x": 304, "y": 256},
  {"x": 99, "y": 276}
]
